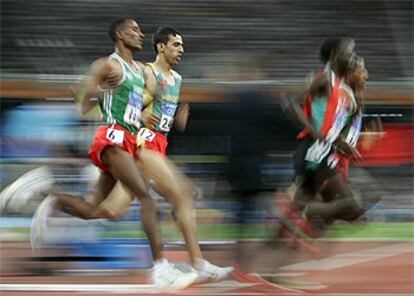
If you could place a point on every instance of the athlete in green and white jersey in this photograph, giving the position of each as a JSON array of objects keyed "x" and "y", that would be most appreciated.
[
  {"x": 123, "y": 104},
  {"x": 118, "y": 82}
]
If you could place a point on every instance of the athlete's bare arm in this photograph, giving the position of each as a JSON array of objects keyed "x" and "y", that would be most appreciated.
[
  {"x": 149, "y": 119},
  {"x": 293, "y": 110},
  {"x": 318, "y": 87},
  {"x": 95, "y": 82},
  {"x": 181, "y": 117}
]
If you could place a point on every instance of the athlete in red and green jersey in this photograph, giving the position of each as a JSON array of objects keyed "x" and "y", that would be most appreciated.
[
  {"x": 166, "y": 99},
  {"x": 163, "y": 85}
]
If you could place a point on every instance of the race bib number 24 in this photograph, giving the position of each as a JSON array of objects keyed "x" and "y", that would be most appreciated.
[{"x": 167, "y": 117}]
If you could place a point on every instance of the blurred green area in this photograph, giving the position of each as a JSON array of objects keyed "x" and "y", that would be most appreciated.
[
  {"x": 225, "y": 232},
  {"x": 372, "y": 231}
]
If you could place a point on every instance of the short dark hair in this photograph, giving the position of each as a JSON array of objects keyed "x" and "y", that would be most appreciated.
[
  {"x": 328, "y": 45},
  {"x": 162, "y": 35},
  {"x": 115, "y": 25}
]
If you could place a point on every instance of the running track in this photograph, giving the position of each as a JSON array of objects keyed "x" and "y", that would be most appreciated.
[{"x": 345, "y": 268}]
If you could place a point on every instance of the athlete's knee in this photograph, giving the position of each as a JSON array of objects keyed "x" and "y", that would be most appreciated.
[
  {"x": 183, "y": 212},
  {"x": 148, "y": 205},
  {"x": 350, "y": 208},
  {"x": 103, "y": 213}
]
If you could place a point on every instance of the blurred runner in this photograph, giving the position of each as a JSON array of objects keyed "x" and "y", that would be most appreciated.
[
  {"x": 327, "y": 109},
  {"x": 333, "y": 116}
]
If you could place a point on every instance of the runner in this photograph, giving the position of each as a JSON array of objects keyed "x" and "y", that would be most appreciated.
[
  {"x": 114, "y": 149},
  {"x": 335, "y": 116},
  {"x": 314, "y": 161}
]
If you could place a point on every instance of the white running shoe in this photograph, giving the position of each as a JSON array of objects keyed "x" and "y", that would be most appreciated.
[
  {"x": 15, "y": 196},
  {"x": 38, "y": 227},
  {"x": 166, "y": 277},
  {"x": 210, "y": 272}
]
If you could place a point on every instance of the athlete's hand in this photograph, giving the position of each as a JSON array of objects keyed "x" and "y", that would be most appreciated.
[
  {"x": 348, "y": 150},
  {"x": 372, "y": 134},
  {"x": 149, "y": 119},
  {"x": 113, "y": 78}
]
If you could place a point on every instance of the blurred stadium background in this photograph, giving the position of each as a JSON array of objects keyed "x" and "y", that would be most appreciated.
[{"x": 265, "y": 45}]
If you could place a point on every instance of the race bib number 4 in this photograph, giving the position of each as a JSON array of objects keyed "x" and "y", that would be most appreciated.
[
  {"x": 146, "y": 134},
  {"x": 115, "y": 136}
]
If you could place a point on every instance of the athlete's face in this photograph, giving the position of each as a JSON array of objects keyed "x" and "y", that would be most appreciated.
[
  {"x": 173, "y": 50},
  {"x": 360, "y": 74},
  {"x": 131, "y": 35}
]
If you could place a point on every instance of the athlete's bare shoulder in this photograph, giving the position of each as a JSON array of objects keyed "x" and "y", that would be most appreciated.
[
  {"x": 148, "y": 71},
  {"x": 140, "y": 64},
  {"x": 319, "y": 84},
  {"x": 150, "y": 79},
  {"x": 103, "y": 65}
]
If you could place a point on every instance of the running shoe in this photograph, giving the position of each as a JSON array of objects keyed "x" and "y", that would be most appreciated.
[
  {"x": 166, "y": 277},
  {"x": 39, "y": 225},
  {"x": 208, "y": 272},
  {"x": 15, "y": 196}
]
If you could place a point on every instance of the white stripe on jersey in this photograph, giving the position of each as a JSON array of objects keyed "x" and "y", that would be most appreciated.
[{"x": 108, "y": 106}]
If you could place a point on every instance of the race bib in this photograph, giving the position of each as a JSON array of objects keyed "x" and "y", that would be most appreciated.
[
  {"x": 115, "y": 136},
  {"x": 167, "y": 115},
  {"x": 146, "y": 134},
  {"x": 132, "y": 116},
  {"x": 132, "y": 113},
  {"x": 166, "y": 123}
]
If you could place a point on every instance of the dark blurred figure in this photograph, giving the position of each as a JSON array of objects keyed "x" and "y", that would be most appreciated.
[
  {"x": 248, "y": 149},
  {"x": 250, "y": 131}
]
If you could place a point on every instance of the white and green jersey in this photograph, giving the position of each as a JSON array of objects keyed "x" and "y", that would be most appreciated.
[
  {"x": 352, "y": 127},
  {"x": 123, "y": 104},
  {"x": 166, "y": 100}
]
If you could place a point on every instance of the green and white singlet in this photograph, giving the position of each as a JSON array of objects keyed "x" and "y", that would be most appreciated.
[{"x": 123, "y": 104}]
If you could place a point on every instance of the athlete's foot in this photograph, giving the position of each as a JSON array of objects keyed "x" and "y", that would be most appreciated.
[
  {"x": 208, "y": 272},
  {"x": 294, "y": 222},
  {"x": 315, "y": 223},
  {"x": 297, "y": 243},
  {"x": 166, "y": 277},
  {"x": 39, "y": 222},
  {"x": 15, "y": 196}
]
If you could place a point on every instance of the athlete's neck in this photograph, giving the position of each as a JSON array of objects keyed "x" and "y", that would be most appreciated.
[
  {"x": 163, "y": 66},
  {"x": 126, "y": 54}
]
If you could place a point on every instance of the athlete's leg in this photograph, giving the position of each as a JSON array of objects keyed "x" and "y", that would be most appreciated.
[
  {"x": 177, "y": 190},
  {"x": 117, "y": 202},
  {"x": 342, "y": 203},
  {"x": 173, "y": 186},
  {"x": 82, "y": 208},
  {"x": 123, "y": 168}
]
